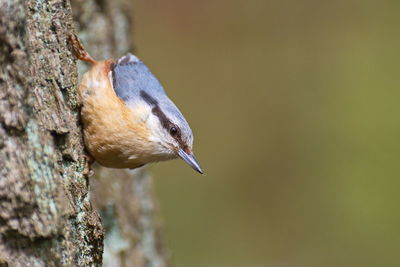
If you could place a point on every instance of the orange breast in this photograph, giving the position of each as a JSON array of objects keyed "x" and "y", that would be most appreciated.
[{"x": 114, "y": 135}]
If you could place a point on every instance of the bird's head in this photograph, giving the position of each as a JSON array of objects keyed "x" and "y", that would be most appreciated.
[{"x": 169, "y": 131}]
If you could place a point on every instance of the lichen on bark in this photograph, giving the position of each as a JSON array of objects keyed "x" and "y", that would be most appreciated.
[
  {"x": 46, "y": 218},
  {"x": 46, "y": 215}
]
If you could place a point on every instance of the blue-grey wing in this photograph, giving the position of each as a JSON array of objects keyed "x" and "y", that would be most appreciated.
[{"x": 130, "y": 76}]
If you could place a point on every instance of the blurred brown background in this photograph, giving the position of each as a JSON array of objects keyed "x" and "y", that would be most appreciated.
[{"x": 294, "y": 106}]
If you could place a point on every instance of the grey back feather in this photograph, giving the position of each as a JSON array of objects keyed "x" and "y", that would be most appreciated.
[{"x": 130, "y": 76}]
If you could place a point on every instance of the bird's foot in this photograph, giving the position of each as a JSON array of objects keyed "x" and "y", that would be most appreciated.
[{"x": 89, "y": 160}]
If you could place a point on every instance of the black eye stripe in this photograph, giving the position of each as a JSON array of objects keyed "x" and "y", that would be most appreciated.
[{"x": 165, "y": 122}]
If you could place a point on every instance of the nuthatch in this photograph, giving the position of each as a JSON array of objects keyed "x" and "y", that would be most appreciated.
[{"x": 128, "y": 120}]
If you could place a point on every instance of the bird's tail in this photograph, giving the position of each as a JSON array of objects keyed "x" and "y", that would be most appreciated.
[{"x": 79, "y": 50}]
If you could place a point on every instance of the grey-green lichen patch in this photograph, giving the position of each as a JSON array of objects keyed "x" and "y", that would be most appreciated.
[
  {"x": 85, "y": 224},
  {"x": 45, "y": 213},
  {"x": 41, "y": 158}
]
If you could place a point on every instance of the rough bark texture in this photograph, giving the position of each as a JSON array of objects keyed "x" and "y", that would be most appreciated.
[{"x": 46, "y": 217}]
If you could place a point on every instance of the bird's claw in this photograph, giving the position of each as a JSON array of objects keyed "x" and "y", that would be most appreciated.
[{"x": 89, "y": 160}]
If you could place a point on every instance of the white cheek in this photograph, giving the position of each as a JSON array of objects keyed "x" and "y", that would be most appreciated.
[
  {"x": 156, "y": 132},
  {"x": 162, "y": 140},
  {"x": 142, "y": 112}
]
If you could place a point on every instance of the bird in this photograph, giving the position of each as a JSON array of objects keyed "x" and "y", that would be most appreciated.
[{"x": 128, "y": 119}]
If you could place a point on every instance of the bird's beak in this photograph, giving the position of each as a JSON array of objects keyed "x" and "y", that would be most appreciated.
[{"x": 191, "y": 160}]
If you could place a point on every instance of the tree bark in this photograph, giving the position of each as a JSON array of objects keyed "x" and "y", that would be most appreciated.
[{"x": 46, "y": 215}]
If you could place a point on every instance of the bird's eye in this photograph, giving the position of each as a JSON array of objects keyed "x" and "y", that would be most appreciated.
[{"x": 173, "y": 131}]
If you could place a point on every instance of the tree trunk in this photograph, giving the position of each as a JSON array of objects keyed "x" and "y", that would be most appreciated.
[{"x": 46, "y": 217}]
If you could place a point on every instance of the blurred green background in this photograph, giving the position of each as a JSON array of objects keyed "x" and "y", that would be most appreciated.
[{"x": 294, "y": 106}]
